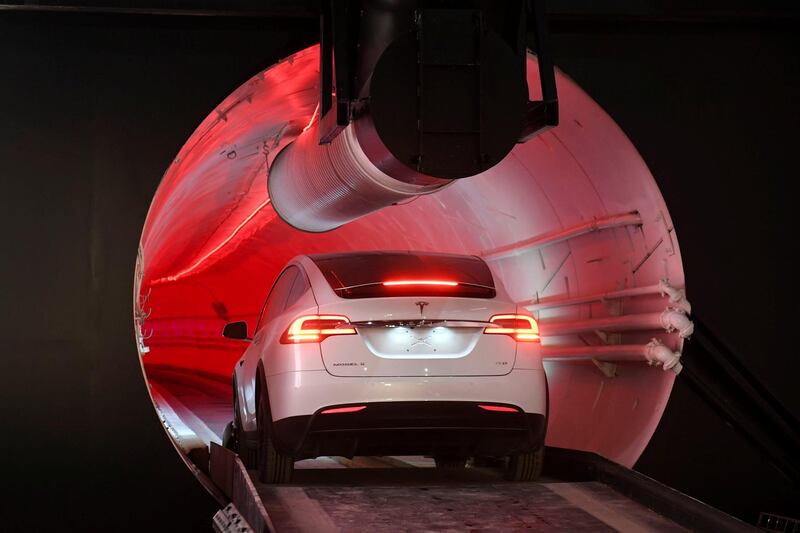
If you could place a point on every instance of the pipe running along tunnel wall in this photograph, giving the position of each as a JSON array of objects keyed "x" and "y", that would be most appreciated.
[
  {"x": 571, "y": 222},
  {"x": 318, "y": 188}
]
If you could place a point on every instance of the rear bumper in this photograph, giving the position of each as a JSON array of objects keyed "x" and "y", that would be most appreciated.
[
  {"x": 411, "y": 428},
  {"x": 306, "y": 392}
]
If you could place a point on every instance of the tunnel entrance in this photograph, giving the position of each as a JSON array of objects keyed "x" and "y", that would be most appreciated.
[{"x": 571, "y": 222}]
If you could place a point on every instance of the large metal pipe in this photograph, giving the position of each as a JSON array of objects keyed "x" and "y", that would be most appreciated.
[
  {"x": 319, "y": 187},
  {"x": 420, "y": 112}
]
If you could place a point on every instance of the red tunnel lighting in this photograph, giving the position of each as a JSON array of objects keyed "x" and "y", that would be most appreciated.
[
  {"x": 216, "y": 249},
  {"x": 213, "y": 245},
  {"x": 499, "y": 408},
  {"x": 405, "y": 283},
  {"x": 339, "y": 410}
]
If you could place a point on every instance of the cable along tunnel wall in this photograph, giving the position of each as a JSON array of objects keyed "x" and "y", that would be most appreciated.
[{"x": 569, "y": 215}]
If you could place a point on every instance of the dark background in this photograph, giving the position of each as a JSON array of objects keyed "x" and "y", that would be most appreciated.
[{"x": 94, "y": 106}]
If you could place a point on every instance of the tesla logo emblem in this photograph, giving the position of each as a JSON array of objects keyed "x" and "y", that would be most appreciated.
[{"x": 421, "y": 306}]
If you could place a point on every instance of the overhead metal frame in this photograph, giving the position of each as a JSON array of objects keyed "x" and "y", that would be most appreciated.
[{"x": 339, "y": 24}]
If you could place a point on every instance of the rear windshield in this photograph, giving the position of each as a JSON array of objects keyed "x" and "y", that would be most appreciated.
[{"x": 382, "y": 274}]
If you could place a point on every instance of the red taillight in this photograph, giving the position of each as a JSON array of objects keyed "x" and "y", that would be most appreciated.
[
  {"x": 522, "y": 328},
  {"x": 411, "y": 282},
  {"x": 499, "y": 408},
  {"x": 340, "y": 410},
  {"x": 316, "y": 328}
]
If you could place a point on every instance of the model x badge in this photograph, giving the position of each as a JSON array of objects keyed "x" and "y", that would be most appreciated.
[{"x": 421, "y": 306}]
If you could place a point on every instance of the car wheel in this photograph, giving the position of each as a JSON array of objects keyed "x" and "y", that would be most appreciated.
[
  {"x": 229, "y": 438},
  {"x": 525, "y": 466},
  {"x": 273, "y": 466},
  {"x": 449, "y": 462},
  {"x": 240, "y": 441}
]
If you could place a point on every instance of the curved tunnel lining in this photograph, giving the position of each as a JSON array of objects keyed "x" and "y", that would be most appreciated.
[{"x": 554, "y": 219}]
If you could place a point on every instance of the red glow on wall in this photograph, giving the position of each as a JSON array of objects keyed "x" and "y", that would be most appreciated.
[
  {"x": 194, "y": 266},
  {"x": 213, "y": 245}
]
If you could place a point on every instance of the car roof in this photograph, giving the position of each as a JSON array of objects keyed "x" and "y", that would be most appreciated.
[{"x": 388, "y": 252}]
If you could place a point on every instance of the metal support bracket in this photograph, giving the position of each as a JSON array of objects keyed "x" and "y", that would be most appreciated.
[
  {"x": 609, "y": 370},
  {"x": 337, "y": 58},
  {"x": 339, "y": 29},
  {"x": 541, "y": 114}
]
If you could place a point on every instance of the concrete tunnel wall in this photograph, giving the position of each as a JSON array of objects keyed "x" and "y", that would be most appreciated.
[{"x": 572, "y": 213}]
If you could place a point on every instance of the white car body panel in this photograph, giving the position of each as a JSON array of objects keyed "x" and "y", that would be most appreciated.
[
  {"x": 468, "y": 365},
  {"x": 419, "y": 351}
]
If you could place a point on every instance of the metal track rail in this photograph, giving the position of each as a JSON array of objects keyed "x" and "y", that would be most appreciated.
[{"x": 581, "y": 491}]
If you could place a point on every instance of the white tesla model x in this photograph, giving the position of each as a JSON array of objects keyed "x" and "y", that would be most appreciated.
[{"x": 389, "y": 353}]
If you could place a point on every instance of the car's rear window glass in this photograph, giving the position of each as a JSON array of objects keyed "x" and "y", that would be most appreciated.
[{"x": 382, "y": 274}]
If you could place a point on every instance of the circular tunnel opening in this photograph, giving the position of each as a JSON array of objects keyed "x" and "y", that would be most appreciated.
[{"x": 571, "y": 222}]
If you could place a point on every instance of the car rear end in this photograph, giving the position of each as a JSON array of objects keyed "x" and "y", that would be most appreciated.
[{"x": 423, "y": 354}]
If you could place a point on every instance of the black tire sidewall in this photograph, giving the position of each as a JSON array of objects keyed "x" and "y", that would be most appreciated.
[
  {"x": 273, "y": 466},
  {"x": 263, "y": 418},
  {"x": 525, "y": 466}
]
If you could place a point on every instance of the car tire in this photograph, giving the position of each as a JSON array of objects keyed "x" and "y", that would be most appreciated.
[
  {"x": 273, "y": 466},
  {"x": 241, "y": 442},
  {"x": 525, "y": 466},
  {"x": 449, "y": 462},
  {"x": 229, "y": 437}
]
